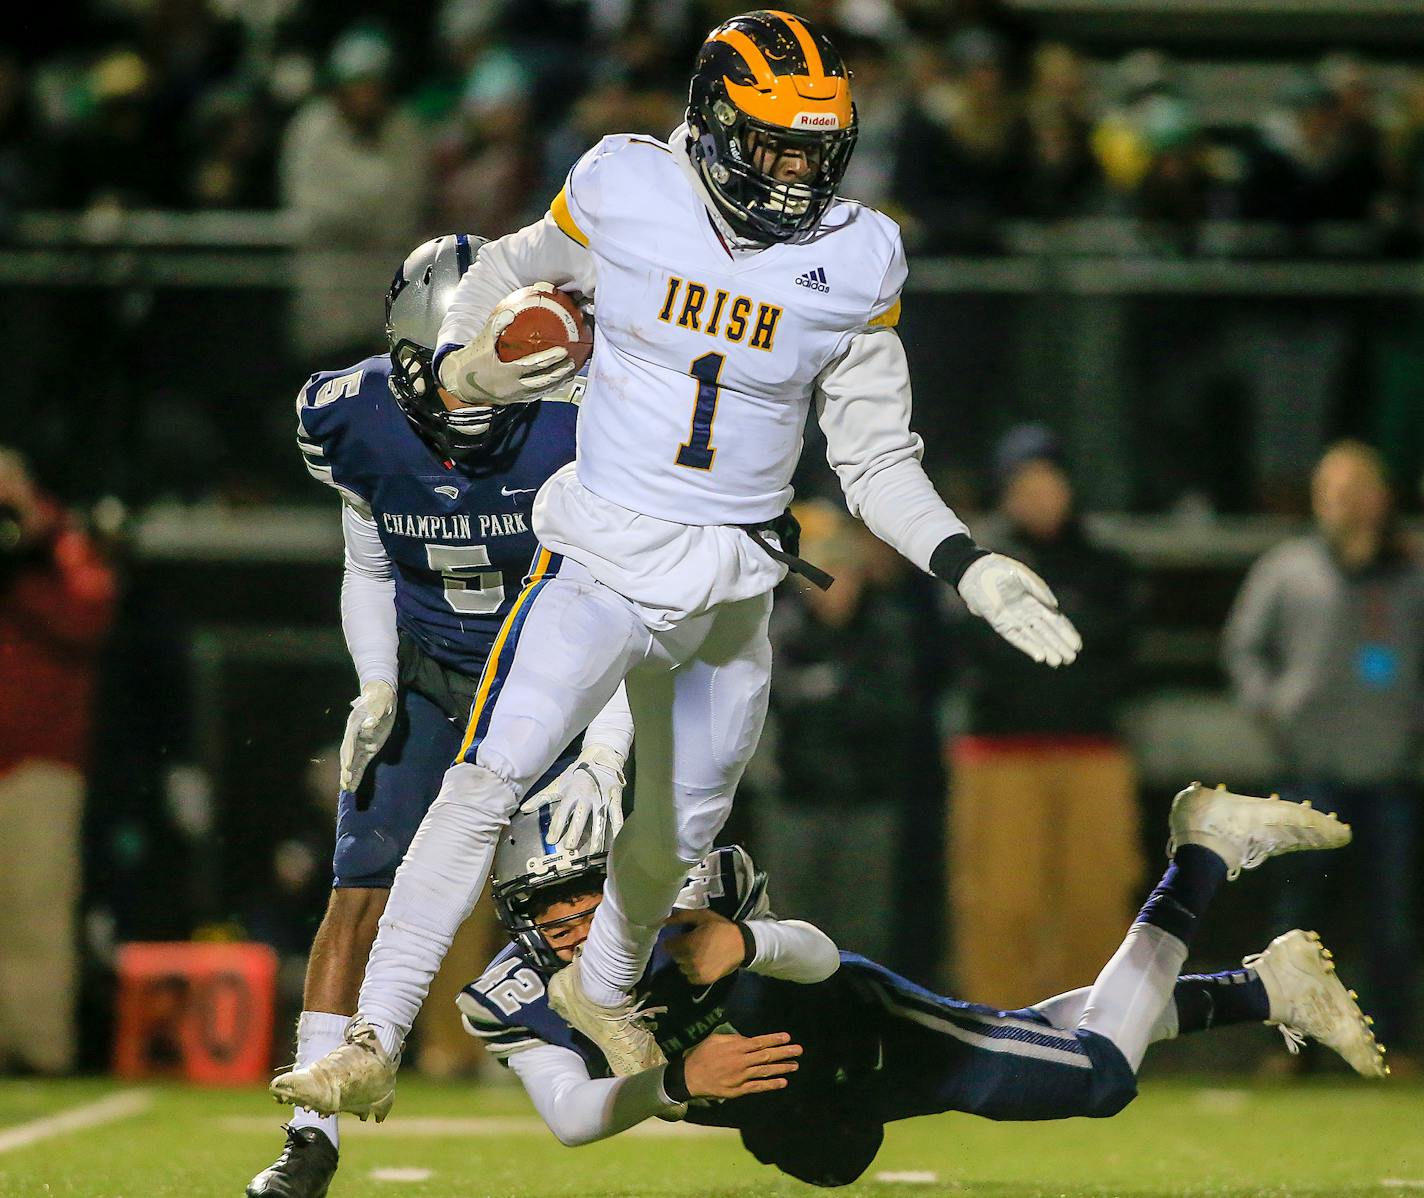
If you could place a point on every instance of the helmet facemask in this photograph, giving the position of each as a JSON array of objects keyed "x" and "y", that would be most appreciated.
[
  {"x": 416, "y": 303},
  {"x": 724, "y": 147}
]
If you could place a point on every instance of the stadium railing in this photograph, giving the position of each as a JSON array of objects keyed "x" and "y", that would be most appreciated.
[{"x": 1054, "y": 329}]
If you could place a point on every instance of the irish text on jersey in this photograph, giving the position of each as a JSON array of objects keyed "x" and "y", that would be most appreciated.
[{"x": 703, "y": 309}]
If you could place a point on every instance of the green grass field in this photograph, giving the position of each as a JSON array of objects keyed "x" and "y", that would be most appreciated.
[{"x": 1317, "y": 1138}]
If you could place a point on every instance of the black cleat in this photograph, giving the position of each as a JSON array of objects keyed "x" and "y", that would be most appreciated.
[{"x": 304, "y": 1170}]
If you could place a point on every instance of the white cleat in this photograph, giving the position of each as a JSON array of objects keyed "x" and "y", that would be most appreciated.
[
  {"x": 1309, "y": 1000},
  {"x": 623, "y": 1033},
  {"x": 1245, "y": 831},
  {"x": 358, "y": 1078}
]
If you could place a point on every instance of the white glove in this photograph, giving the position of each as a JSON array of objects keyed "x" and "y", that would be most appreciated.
[
  {"x": 588, "y": 799},
  {"x": 475, "y": 373},
  {"x": 370, "y": 722},
  {"x": 1018, "y": 605}
]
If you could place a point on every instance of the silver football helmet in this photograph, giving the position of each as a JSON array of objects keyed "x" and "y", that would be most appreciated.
[
  {"x": 530, "y": 870},
  {"x": 416, "y": 303}
]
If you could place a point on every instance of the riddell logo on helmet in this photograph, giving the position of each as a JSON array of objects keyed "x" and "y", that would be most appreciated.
[{"x": 816, "y": 120}]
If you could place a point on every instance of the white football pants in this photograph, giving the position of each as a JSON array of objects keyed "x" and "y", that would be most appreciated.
[{"x": 698, "y": 693}]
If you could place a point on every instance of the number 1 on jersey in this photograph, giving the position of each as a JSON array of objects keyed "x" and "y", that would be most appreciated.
[{"x": 697, "y": 452}]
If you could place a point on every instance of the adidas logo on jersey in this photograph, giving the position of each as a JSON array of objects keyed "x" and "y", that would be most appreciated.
[{"x": 814, "y": 279}]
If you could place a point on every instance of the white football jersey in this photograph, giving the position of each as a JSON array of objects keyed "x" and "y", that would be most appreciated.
[{"x": 706, "y": 360}]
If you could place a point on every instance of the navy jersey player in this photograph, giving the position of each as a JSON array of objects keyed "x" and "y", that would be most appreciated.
[
  {"x": 808, "y": 1051},
  {"x": 436, "y": 497}
]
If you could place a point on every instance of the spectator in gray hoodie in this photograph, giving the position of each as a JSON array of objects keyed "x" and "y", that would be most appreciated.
[{"x": 1325, "y": 644}]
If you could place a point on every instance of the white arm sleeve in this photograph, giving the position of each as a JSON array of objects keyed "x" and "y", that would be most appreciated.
[
  {"x": 863, "y": 405},
  {"x": 537, "y": 253},
  {"x": 580, "y": 1109},
  {"x": 368, "y": 600},
  {"x": 613, "y": 726},
  {"x": 792, "y": 950}
]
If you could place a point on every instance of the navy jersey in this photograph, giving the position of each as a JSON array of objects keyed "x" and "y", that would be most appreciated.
[
  {"x": 458, "y": 534},
  {"x": 508, "y": 1009}
]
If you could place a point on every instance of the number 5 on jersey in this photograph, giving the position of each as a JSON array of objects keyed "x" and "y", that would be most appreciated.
[
  {"x": 468, "y": 589},
  {"x": 697, "y": 452}
]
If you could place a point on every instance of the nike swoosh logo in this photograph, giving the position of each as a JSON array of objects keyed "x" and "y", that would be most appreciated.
[{"x": 517, "y": 490}]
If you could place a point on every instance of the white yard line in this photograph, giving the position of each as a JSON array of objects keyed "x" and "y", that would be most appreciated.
[
  {"x": 1221, "y": 1101},
  {"x": 411, "y": 1127},
  {"x": 402, "y": 1174},
  {"x": 123, "y": 1105},
  {"x": 437, "y": 1127}
]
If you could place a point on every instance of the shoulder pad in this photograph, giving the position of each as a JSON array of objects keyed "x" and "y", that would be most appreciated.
[
  {"x": 881, "y": 232},
  {"x": 604, "y": 185},
  {"x": 876, "y": 248}
]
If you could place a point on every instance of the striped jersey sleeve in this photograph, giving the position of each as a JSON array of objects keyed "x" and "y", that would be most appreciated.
[
  {"x": 313, "y": 452},
  {"x": 327, "y": 406},
  {"x": 729, "y": 883},
  {"x": 501, "y": 1039}
]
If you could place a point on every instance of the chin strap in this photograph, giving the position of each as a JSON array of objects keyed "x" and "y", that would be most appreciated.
[{"x": 733, "y": 241}]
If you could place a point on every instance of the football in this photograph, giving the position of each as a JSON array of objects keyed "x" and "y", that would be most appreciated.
[{"x": 546, "y": 318}]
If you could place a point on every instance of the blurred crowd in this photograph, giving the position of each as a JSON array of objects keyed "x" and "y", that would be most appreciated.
[
  {"x": 371, "y": 127},
  {"x": 58, "y": 595},
  {"x": 380, "y": 122}
]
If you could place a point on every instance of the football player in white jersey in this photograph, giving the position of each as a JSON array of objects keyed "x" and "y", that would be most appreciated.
[{"x": 734, "y": 289}]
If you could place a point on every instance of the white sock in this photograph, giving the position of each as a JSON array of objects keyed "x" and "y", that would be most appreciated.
[
  {"x": 318, "y": 1032},
  {"x": 1065, "y": 1012},
  {"x": 1166, "y": 1027},
  {"x": 435, "y": 890},
  {"x": 626, "y": 928},
  {"x": 1126, "y": 1003},
  {"x": 613, "y": 957}
]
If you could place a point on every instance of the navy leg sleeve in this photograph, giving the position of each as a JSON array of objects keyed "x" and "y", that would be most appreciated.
[{"x": 939, "y": 1054}]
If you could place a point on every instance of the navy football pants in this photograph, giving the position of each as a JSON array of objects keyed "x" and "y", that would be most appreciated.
[{"x": 375, "y": 826}]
